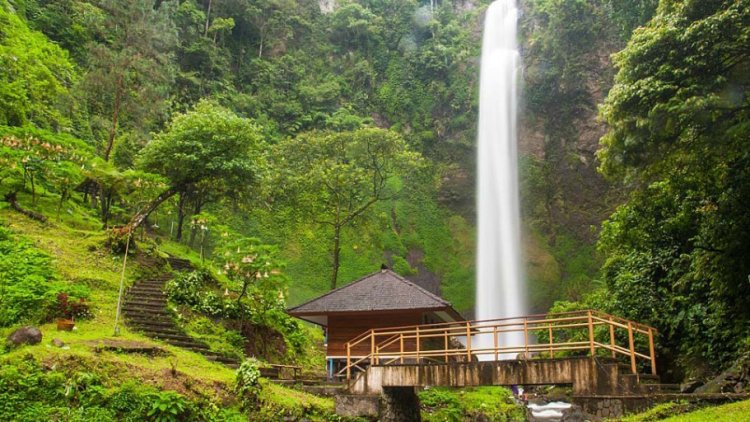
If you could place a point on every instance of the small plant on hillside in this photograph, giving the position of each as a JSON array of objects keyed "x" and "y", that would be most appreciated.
[
  {"x": 248, "y": 385},
  {"x": 167, "y": 406}
]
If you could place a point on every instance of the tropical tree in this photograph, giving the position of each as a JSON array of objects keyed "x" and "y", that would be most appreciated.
[
  {"x": 335, "y": 178},
  {"x": 208, "y": 144}
]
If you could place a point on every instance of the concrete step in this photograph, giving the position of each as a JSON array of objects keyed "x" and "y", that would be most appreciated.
[
  {"x": 219, "y": 358},
  {"x": 146, "y": 302},
  {"x": 139, "y": 310},
  {"x": 191, "y": 344},
  {"x": 151, "y": 284},
  {"x": 147, "y": 321},
  {"x": 170, "y": 330},
  {"x": 145, "y": 305},
  {"x": 648, "y": 379},
  {"x": 146, "y": 289},
  {"x": 169, "y": 336}
]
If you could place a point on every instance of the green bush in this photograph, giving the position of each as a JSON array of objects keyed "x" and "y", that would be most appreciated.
[{"x": 247, "y": 384}]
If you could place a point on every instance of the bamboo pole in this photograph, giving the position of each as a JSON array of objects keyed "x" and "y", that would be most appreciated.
[
  {"x": 372, "y": 347},
  {"x": 348, "y": 361},
  {"x": 551, "y": 350},
  {"x": 401, "y": 354},
  {"x": 468, "y": 341},
  {"x": 591, "y": 335},
  {"x": 526, "y": 337},
  {"x": 651, "y": 351},
  {"x": 494, "y": 338},
  {"x": 446, "y": 345},
  {"x": 612, "y": 337},
  {"x": 632, "y": 348},
  {"x": 418, "y": 348}
]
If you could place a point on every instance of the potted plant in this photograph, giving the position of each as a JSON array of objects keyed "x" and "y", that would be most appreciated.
[{"x": 68, "y": 309}]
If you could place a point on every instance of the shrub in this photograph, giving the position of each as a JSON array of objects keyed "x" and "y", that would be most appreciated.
[
  {"x": 167, "y": 406},
  {"x": 248, "y": 382}
]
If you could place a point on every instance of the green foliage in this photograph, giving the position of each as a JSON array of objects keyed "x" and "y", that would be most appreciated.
[
  {"x": 678, "y": 128},
  {"x": 28, "y": 285},
  {"x": 207, "y": 143},
  {"x": 247, "y": 382},
  {"x": 467, "y": 404},
  {"x": 167, "y": 406},
  {"x": 36, "y": 76},
  {"x": 28, "y": 392}
]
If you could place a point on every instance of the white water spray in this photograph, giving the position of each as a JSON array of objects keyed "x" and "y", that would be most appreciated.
[{"x": 500, "y": 293}]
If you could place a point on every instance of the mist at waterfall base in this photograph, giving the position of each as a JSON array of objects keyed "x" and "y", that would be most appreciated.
[{"x": 500, "y": 289}]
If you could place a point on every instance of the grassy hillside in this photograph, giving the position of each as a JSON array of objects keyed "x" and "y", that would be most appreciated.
[{"x": 102, "y": 379}]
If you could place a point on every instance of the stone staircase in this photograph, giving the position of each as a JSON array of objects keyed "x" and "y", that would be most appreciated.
[
  {"x": 145, "y": 310},
  {"x": 639, "y": 383}
]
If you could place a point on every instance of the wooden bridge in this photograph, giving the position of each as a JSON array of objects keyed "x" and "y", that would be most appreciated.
[
  {"x": 577, "y": 333},
  {"x": 598, "y": 354}
]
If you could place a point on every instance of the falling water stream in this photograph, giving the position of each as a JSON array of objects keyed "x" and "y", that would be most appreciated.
[{"x": 500, "y": 290}]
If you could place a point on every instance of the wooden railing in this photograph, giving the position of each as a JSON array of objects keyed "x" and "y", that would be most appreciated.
[{"x": 588, "y": 332}]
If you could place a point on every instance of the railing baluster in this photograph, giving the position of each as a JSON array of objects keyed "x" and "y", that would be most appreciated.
[
  {"x": 612, "y": 337},
  {"x": 651, "y": 351},
  {"x": 591, "y": 335},
  {"x": 418, "y": 348},
  {"x": 632, "y": 348},
  {"x": 445, "y": 333},
  {"x": 468, "y": 341},
  {"x": 401, "y": 340},
  {"x": 526, "y": 337},
  {"x": 494, "y": 338},
  {"x": 551, "y": 350}
]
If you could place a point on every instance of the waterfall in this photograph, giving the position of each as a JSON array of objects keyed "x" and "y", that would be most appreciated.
[{"x": 500, "y": 292}]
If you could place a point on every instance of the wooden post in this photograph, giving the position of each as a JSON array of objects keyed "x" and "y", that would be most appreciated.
[
  {"x": 632, "y": 348},
  {"x": 348, "y": 361},
  {"x": 612, "y": 337},
  {"x": 468, "y": 342},
  {"x": 417, "y": 345},
  {"x": 401, "y": 340},
  {"x": 551, "y": 351},
  {"x": 494, "y": 339},
  {"x": 526, "y": 338},
  {"x": 372, "y": 347},
  {"x": 591, "y": 335},
  {"x": 445, "y": 333},
  {"x": 651, "y": 351}
]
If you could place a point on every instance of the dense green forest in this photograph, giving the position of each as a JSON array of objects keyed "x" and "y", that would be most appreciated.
[{"x": 325, "y": 138}]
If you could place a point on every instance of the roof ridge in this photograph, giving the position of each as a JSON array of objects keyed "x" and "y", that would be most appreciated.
[
  {"x": 364, "y": 277},
  {"x": 422, "y": 289}
]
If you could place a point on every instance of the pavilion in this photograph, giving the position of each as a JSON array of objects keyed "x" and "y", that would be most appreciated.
[{"x": 378, "y": 300}]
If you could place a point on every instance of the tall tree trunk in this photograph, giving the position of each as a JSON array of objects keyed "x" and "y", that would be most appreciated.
[
  {"x": 180, "y": 216},
  {"x": 115, "y": 117},
  {"x": 193, "y": 228},
  {"x": 336, "y": 255},
  {"x": 141, "y": 215},
  {"x": 104, "y": 202},
  {"x": 208, "y": 17}
]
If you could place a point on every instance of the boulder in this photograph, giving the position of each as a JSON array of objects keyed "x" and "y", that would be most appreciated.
[{"x": 25, "y": 335}]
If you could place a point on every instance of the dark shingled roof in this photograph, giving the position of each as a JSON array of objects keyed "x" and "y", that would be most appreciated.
[{"x": 380, "y": 291}]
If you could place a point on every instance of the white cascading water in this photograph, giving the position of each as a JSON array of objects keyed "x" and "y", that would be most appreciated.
[{"x": 500, "y": 291}]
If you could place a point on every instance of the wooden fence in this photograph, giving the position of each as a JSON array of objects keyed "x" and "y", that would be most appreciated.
[{"x": 588, "y": 332}]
